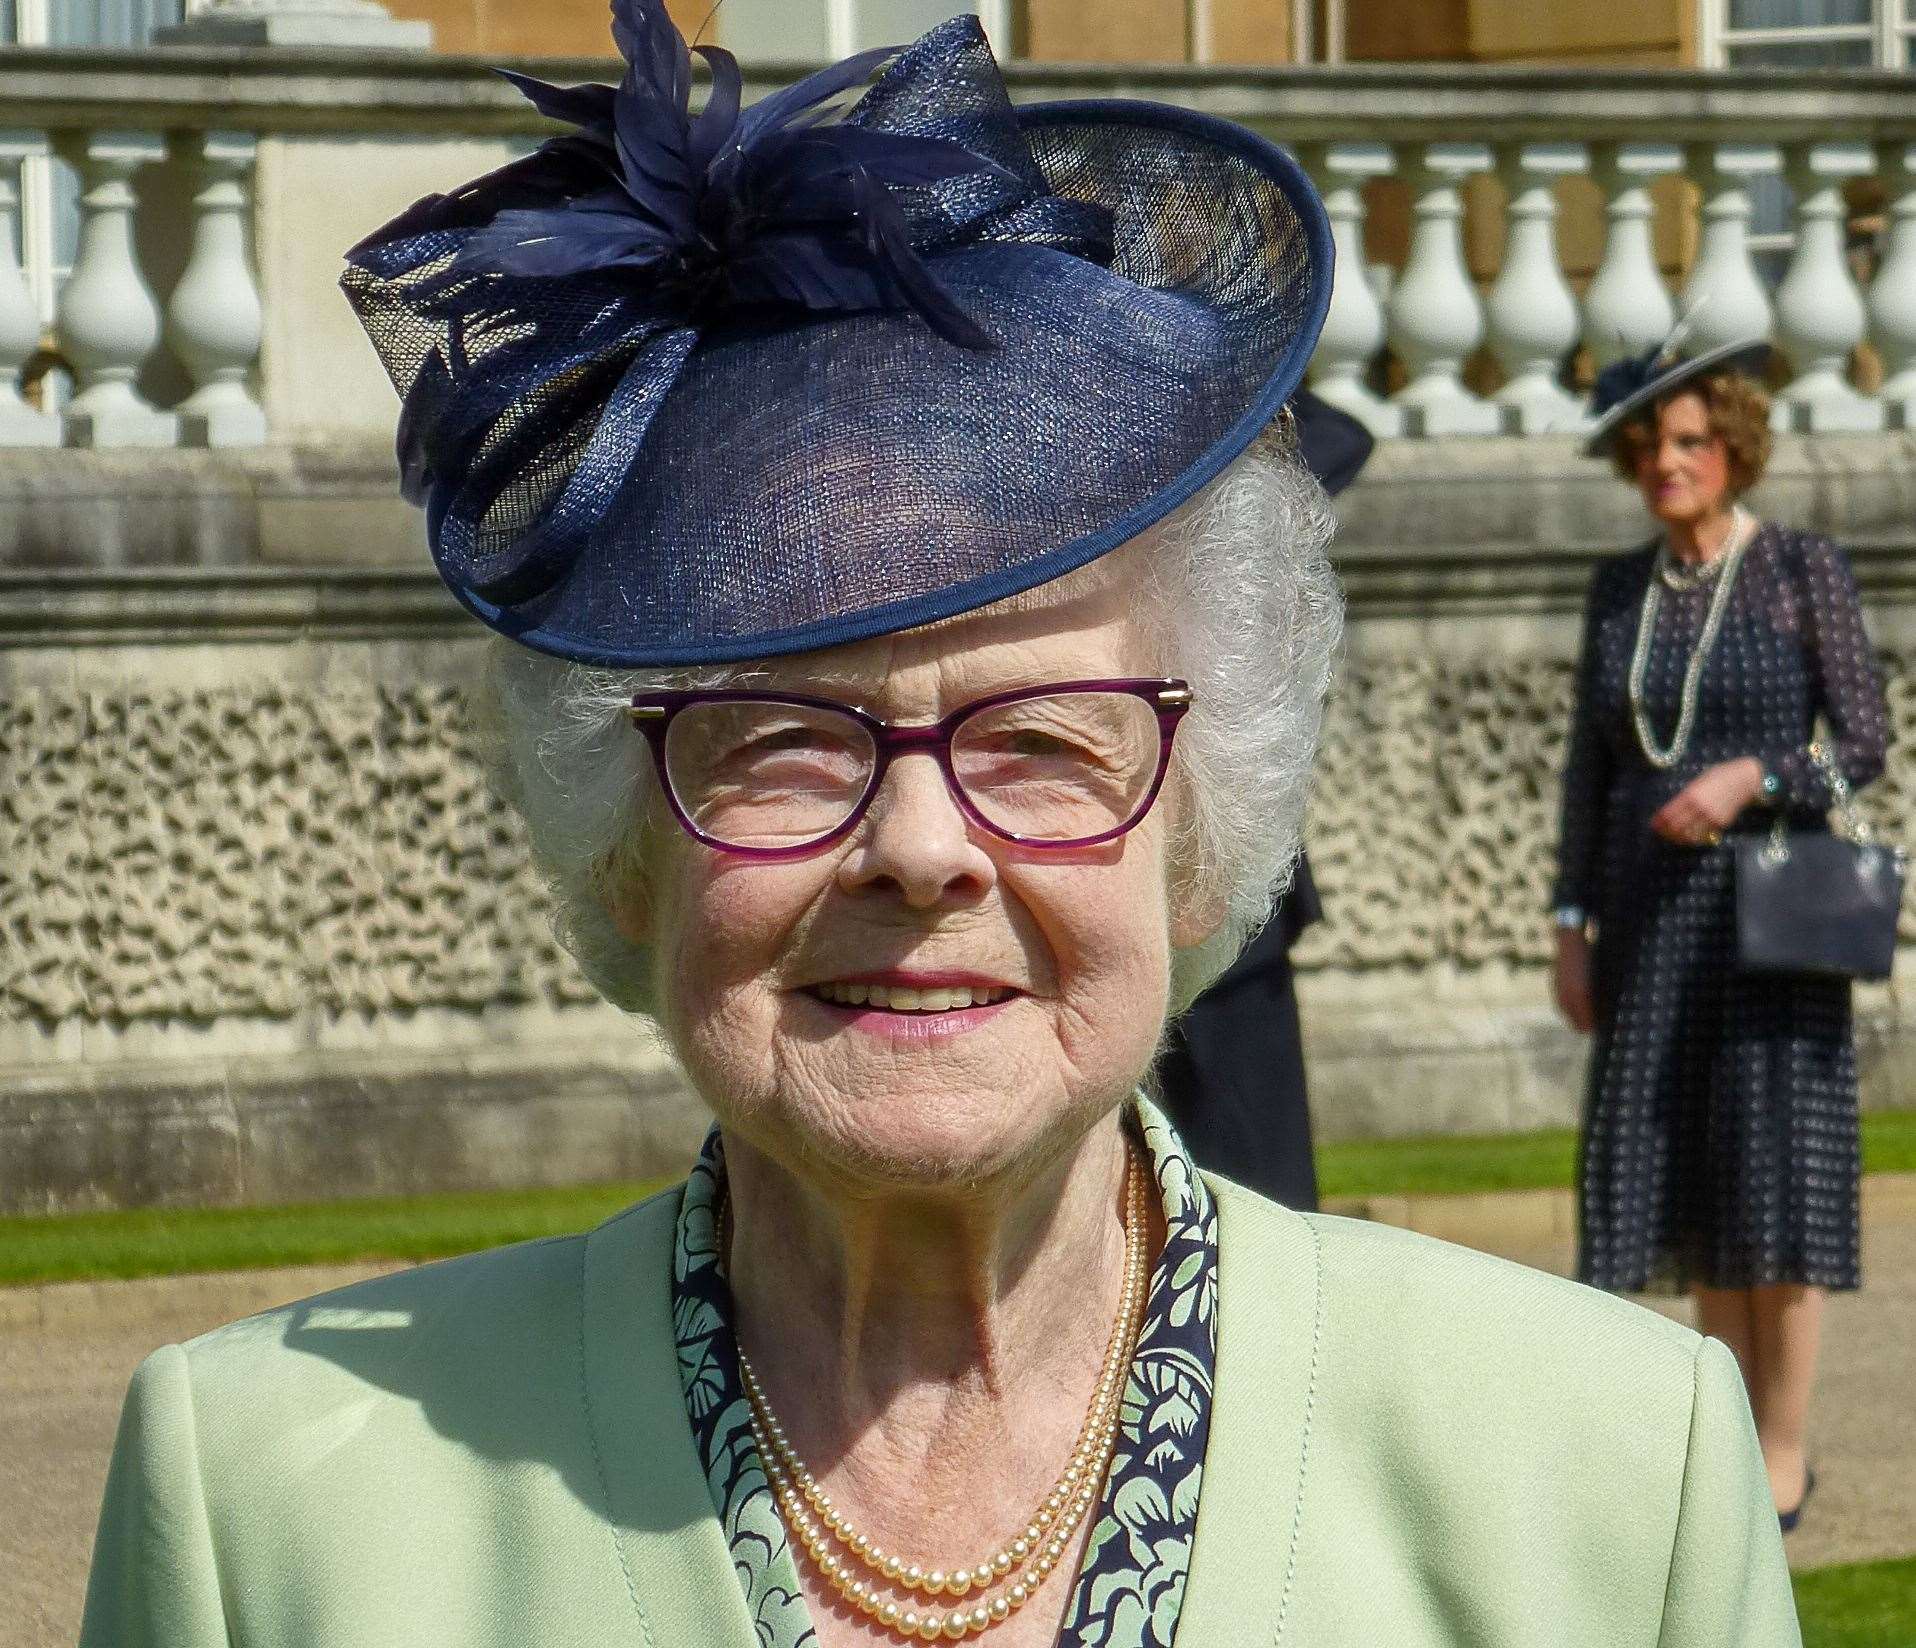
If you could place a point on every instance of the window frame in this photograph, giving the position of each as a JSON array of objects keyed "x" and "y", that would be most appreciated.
[{"x": 1890, "y": 32}]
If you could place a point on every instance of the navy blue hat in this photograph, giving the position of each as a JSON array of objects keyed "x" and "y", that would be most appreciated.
[
  {"x": 685, "y": 388},
  {"x": 1625, "y": 387}
]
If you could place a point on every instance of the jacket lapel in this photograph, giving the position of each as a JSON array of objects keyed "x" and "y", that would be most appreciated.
[
  {"x": 670, "y": 1544},
  {"x": 1251, "y": 1508}
]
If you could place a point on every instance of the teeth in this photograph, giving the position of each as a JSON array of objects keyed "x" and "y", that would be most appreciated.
[{"x": 901, "y": 999}]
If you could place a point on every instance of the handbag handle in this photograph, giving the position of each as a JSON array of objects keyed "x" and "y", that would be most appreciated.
[{"x": 1846, "y": 818}]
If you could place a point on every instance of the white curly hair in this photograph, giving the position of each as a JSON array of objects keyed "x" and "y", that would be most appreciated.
[{"x": 1240, "y": 600}]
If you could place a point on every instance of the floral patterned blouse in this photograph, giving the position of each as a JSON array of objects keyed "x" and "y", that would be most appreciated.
[{"x": 1131, "y": 1586}]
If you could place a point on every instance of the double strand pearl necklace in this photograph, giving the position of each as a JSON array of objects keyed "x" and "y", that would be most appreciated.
[
  {"x": 1666, "y": 756},
  {"x": 863, "y": 1573}
]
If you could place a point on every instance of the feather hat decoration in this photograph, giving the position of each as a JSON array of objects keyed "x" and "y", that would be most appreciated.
[
  {"x": 779, "y": 203},
  {"x": 1626, "y": 386},
  {"x": 689, "y": 384}
]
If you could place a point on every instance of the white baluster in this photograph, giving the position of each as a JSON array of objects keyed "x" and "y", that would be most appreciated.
[
  {"x": 1435, "y": 317},
  {"x": 1626, "y": 307},
  {"x": 1892, "y": 295},
  {"x": 1353, "y": 333},
  {"x": 1532, "y": 313},
  {"x": 1819, "y": 308},
  {"x": 213, "y": 319},
  {"x": 1724, "y": 292},
  {"x": 108, "y": 322},
  {"x": 20, "y": 424}
]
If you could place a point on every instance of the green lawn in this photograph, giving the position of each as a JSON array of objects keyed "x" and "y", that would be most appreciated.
[
  {"x": 159, "y": 1242},
  {"x": 1531, "y": 1161},
  {"x": 172, "y": 1241},
  {"x": 1869, "y": 1605}
]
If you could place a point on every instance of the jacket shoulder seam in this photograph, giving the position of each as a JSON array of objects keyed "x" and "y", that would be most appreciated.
[
  {"x": 1304, "y": 1445},
  {"x": 1683, "y": 1482}
]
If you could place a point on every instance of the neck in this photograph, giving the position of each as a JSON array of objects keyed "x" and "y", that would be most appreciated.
[
  {"x": 929, "y": 1323},
  {"x": 1702, "y": 539}
]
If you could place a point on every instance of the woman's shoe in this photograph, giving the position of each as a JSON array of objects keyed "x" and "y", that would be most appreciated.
[{"x": 1787, "y": 1520}]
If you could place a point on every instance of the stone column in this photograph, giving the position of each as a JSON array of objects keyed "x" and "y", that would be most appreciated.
[
  {"x": 20, "y": 423},
  {"x": 1533, "y": 316},
  {"x": 107, "y": 321},
  {"x": 1353, "y": 334},
  {"x": 1626, "y": 307},
  {"x": 1819, "y": 308},
  {"x": 1436, "y": 319},
  {"x": 1724, "y": 295},
  {"x": 213, "y": 317},
  {"x": 1892, "y": 295}
]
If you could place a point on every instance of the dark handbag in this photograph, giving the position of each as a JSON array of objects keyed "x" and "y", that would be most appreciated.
[{"x": 1808, "y": 901}]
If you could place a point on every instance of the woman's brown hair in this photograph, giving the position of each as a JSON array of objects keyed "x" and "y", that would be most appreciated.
[{"x": 1739, "y": 409}]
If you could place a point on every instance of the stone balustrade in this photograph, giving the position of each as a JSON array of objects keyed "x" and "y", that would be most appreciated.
[
  {"x": 1533, "y": 322},
  {"x": 216, "y": 189}
]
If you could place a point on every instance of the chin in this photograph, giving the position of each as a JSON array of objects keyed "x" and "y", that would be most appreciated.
[
  {"x": 876, "y": 1124},
  {"x": 942, "y": 1127}
]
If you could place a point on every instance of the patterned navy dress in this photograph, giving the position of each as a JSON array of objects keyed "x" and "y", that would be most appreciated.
[
  {"x": 1131, "y": 1587},
  {"x": 1720, "y": 1140}
]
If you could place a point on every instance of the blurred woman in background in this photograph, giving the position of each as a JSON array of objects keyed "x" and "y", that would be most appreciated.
[{"x": 1720, "y": 1152}]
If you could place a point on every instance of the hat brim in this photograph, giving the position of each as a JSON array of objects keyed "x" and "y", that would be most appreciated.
[
  {"x": 811, "y": 484},
  {"x": 1749, "y": 356}
]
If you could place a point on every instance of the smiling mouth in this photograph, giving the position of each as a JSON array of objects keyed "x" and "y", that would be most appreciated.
[{"x": 888, "y": 998}]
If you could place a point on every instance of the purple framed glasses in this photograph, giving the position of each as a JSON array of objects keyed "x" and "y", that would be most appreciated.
[{"x": 778, "y": 775}]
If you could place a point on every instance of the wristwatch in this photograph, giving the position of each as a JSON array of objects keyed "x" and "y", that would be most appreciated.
[
  {"x": 1772, "y": 788},
  {"x": 1571, "y": 917}
]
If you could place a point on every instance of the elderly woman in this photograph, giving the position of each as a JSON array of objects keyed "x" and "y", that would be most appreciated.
[
  {"x": 915, "y": 647},
  {"x": 1720, "y": 1151}
]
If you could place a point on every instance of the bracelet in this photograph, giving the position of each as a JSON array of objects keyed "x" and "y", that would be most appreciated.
[
  {"x": 1772, "y": 788},
  {"x": 1571, "y": 918}
]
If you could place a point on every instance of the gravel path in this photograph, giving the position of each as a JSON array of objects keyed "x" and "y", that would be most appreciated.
[{"x": 66, "y": 1355}]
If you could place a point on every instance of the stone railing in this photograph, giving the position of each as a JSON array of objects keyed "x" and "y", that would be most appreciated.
[
  {"x": 1432, "y": 316},
  {"x": 218, "y": 188}
]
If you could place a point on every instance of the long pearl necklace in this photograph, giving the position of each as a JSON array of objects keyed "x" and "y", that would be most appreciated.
[
  {"x": 864, "y": 1574},
  {"x": 1666, "y": 756}
]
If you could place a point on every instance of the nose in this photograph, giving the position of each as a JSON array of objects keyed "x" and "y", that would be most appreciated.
[{"x": 915, "y": 844}]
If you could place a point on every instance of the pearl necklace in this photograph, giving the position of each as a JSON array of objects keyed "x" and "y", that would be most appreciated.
[
  {"x": 1680, "y": 578},
  {"x": 860, "y": 1571},
  {"x": 1666, "y": 756}
]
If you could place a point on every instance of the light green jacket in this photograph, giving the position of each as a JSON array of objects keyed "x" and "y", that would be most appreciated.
[{"x": 1411, "y": 1445}]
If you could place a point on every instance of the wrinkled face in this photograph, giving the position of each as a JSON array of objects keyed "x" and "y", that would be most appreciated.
[
  {"x": 1062, "y": 956},
  {"x": 1684, "y": 474}
]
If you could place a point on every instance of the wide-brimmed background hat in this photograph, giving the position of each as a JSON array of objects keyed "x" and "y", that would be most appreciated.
[
  {"x": 684, "y": 388},
  {"x": 1624, "y": 388}
]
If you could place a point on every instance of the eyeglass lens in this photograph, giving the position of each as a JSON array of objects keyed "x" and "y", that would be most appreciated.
[{"x": 1057, "y": 767}]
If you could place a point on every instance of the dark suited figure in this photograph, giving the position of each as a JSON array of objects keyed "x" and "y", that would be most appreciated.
[
  {"x": 1231, "y": 1076},
  {"x": 1232, "y": 1072}
]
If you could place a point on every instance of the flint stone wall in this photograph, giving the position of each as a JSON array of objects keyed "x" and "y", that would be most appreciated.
[{"x": 265, "y": 935}]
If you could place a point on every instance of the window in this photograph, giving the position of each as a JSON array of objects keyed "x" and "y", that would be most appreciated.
[
  {"x": 1808, "y": 34},
  {"x": 1799, "y": 34},
  {"x": 49, "y": 191}
]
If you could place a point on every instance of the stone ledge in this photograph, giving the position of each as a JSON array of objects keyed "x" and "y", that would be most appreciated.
[
  {"x": 253, "y": 1131},
  {"x": 321, "y": 89},
  {"x": 310, "y": 538}
]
